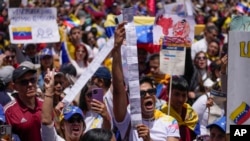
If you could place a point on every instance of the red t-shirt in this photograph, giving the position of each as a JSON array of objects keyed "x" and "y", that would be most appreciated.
[{"x": 25, "y": 122}]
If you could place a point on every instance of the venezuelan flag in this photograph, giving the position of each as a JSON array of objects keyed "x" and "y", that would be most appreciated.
[
  {"x": 65, "y": 58},
  {"x": 109, "y": 25},
  {"x": 144, "y": 30},
  {"x": 241, "y": 114},
  {"x": 21, "y": 33},
  {"x": 71, "y": 21}
]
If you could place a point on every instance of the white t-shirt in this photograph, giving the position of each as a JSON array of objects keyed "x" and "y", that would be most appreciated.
[
  {"x": 198, "y": 46},
  {"x": 48, "y": 133},
  {"x": 205, "y": 115},
  {"x": 93, "y": 120},
  {"x": 160, "y": 129}
]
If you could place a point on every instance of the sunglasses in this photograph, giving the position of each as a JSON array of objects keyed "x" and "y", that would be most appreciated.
[
  {"x": 26, "y": 82},
  {"x": 10, "y": 57},
  {"x": 149, "y": 91},
  {"x": 58, "y": 82},
  {"x": 74, "y": 119},
  {"x": 201, "y": 58}
]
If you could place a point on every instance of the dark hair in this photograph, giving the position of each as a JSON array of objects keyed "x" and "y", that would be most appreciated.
[
  {"x": 107, "y": 82},
  {"x": 10, "y": 49},
  {"x": 82, "y": 100},
  {"x": 74, "y": 28},
  {"x": 179, "y": 83},
  {"x": 217, "y": 41},
  {"x": 154, "y": 56},
  {"x": 146, "y": 79},
  {"x": 215, "y": 65},
  {"x": 210, "y": 28},
  {"x": 97, "y": 134}
]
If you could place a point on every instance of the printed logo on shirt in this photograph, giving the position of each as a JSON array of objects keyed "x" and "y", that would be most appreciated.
[{"x": 23, "y": 120}]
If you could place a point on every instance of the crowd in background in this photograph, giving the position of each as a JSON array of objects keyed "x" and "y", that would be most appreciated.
[{"x": 34, "y": 78}]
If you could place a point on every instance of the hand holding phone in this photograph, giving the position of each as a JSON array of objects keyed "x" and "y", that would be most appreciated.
[{"x": 97, "y": 93}]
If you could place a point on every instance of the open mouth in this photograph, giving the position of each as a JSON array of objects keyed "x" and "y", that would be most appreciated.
[
  {"x": 76, "y": 129},
  {"x": 149, "y": 104}
]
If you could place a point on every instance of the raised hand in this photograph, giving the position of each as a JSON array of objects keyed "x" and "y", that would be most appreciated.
[
  {"x": 143, "y": 132},
  {"x": 99, "y": 108},
  {"x": 119, "y": 35},
  {"x": 49, "y": 80}
]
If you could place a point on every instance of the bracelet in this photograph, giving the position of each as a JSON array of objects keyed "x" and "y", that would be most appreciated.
[{"x": 51, "y": 96}]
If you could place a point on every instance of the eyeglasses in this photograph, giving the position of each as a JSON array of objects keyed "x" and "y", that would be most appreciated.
[
  {"x": 149, "y": 91},
  {"x": 26, "y": 82},
  {"x": 201, "y": 58},
  {"x": 74, "y": 119},
  {"x": 10, "y": 57}
]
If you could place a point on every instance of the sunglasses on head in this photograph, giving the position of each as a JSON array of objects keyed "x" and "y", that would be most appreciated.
[
  {"x": 74, "y": 119},
  {"x": 149, "y": 91},
  {"x": 202, "y": 58},
  {"x": 26, "y": 82}
]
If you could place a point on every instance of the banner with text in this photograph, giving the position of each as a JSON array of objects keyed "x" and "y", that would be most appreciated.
[
  {"x": 238, "y": 109},
  {"x": 178, "y": 34},
  {"x": 33, "y": 25}
]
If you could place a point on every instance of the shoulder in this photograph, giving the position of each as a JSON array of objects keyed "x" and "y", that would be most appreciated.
[
  {"x": 39, "y": 100},
  {"x": 10, "y": 105}
]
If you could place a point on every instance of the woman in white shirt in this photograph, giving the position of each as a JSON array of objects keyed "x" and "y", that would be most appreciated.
[
  {"x": 81, "y": 61},
  {"x": 95, "y": 111}
]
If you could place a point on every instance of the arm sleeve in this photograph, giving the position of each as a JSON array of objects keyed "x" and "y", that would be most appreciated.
[
  {"x": 200, "y": 106},
  {"x": 48, "y": 133},
  {"x": 123, "y": 126}
]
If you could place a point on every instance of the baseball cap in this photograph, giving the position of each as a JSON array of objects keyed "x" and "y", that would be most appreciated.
[
  {"x": 46, "y": 52},
  {"x": 69, "y": 111},
  {"x": 221, "y": 123},
  {"x": 30, "y": 65},
  {"x": 21, "y": 70},
  {"x": 102, "y": 72},
  {"x": 2, "y": 116},
  {"x": 6, "y": 73},
  {"x": 68, "y": 69}
]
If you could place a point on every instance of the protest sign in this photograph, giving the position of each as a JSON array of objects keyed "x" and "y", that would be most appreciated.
[
  {"x": 178, "y": 33},
  {"x": 33, "y": 25},
  {"x": 238, "y": 110}
]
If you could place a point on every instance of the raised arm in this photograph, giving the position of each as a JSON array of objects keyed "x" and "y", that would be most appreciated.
[
  {"x": 119, "y": 93},
  {"x": 47, "y": 108}
]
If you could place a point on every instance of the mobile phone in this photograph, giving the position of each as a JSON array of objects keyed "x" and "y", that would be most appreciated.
[
  {"x": 5, "y": 132},
  {"x": 97, "y": 93}
]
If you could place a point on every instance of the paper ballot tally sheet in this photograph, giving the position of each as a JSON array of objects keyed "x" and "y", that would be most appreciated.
[
  {"x": 88, "y": 73},
  {"x": 133, "y": 75}
]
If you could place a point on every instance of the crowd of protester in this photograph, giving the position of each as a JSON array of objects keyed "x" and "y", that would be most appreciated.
[{"x": 33, "y": 79}]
